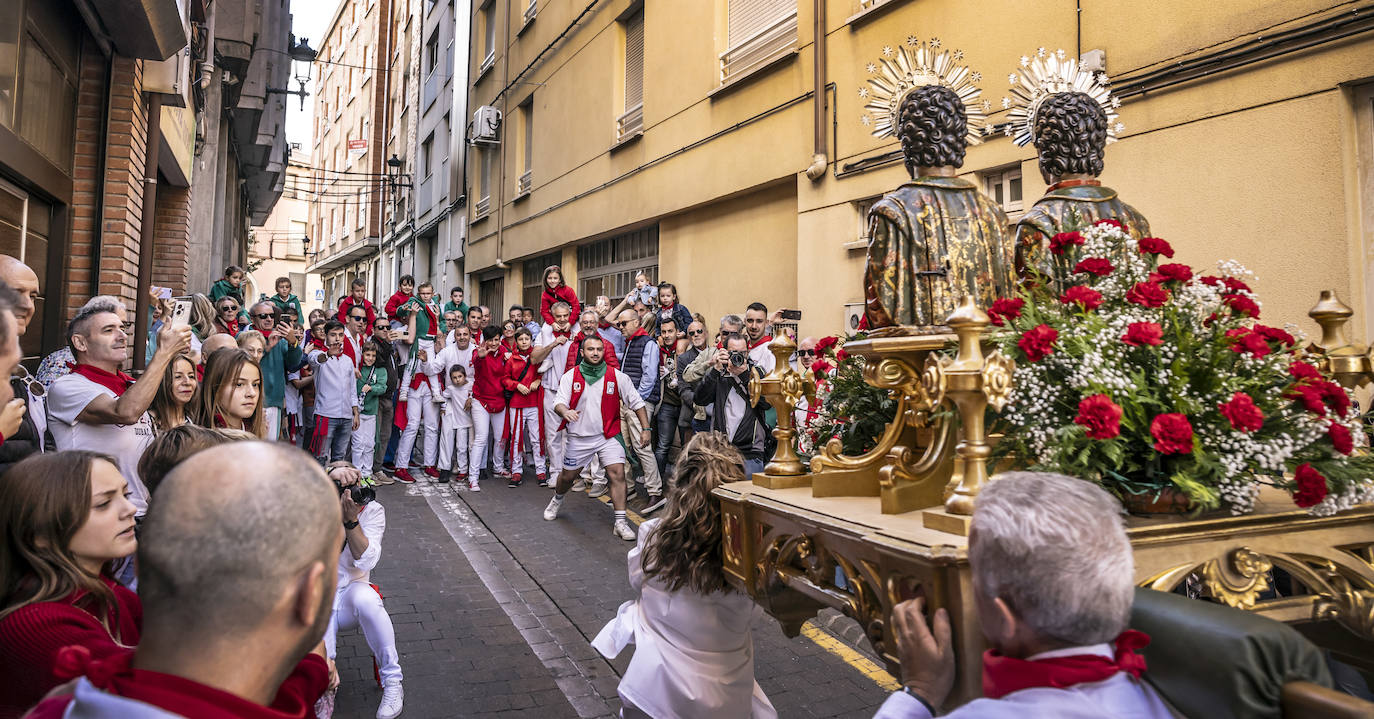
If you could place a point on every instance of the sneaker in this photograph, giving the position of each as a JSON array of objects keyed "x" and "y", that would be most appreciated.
[
  {"x": 382, "y": 478},
  {"x": 473, "y": 486},
  {"x": 656, "y": 502},
  {"x": 443, "y": 476},
  {"x": 551, "y": 511},
  {"x": 404, "y": 395},
  {"x": 432, "y": 472},
  {"x": 623, "y": 530},
  {"x": 393, "y": 696},
  {"x": 579, "y": 485},
  {"x": 515, "y": 481},
  {"x": 542, "y": 480},
  {"x": 388, "y": 466},
  {"x": 403, "y": 476},
  {"x": 598, "y": 489}
]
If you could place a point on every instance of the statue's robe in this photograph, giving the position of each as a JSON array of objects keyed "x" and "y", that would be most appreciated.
[
  {"x": 1074, "y": 203},
  {"x": 931, "y": 242}
]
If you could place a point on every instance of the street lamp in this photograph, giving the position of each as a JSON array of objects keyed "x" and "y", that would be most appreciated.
[
  {"x": 305, "y": 245},
  {"x": 301, "y": 56}
]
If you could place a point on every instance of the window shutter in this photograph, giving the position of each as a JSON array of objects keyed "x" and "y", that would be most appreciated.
[
  {"x": 634, "y": 60},
  {"x": 750, "y": 17}
]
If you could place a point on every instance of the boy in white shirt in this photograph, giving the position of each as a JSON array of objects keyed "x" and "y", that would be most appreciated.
[{"x": 457, "y": 428}]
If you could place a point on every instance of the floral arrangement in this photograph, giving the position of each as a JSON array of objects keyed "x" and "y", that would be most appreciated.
[
  {"x": 1151, "y": 380},
  {"x": 849, "y": 408}
]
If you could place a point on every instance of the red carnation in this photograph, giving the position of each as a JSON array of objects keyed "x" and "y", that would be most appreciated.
[
  {"x": 1038, "y": 342},
  {"x": 1006, "y": 309},
  {"x": 825, "y": 343},
  {"x": 1061, "y": 241},
  {"x": 1309, "y": 397},
  {"x": 1274, "y": 334},
  {"x": 1173, "y": 433},
  {"x": 841, "y": 355},
  {"x": 1311, "y": 486},
  {"x": 1234, "y": 284},
  {"x": 1176, "y": 272},
  {"x": 1086, "y": 297},
  {"x": 1240, "y": 304},
  {"x": 1247, "y": 341},
  {"x": 1334, "y": 395},
  {"x": 1100, "y": 415},
  {"x": 1156, "y": 246},
  {"x": 1143, "y": 333},
  {"x": 1340, "y": 438},
  {"x": 1147, "y": 294},
  {"x": 1099, "y": 266},
  {"x": 1111, "y": 223},
  {"x": 821, "y": 368},
  {"x": 1242, "y": 413},
  {"x": 1210, "y": 281},
  {"x": 1302, "y": 371}
]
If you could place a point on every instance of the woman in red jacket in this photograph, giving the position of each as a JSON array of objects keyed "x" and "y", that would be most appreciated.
[
  {"x": 64, "y": 518},
  {"x": 555, "y": 291}
]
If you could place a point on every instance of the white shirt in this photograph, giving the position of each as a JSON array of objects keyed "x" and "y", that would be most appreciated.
[
  {"x": 1120, "y": 696},
  {"x": 455, "y": 411},
  {"x": 356, "y": 343},
  {"x": 763, "y": 358},
  {"x": 67, "y": 399},
  {"x": 442, "y": 361},
  {"x": 292, "y": 401},
  {"x": 336, "y": 388},
  {"x": 735, "y": 406},
  {"x": 556, "y": 363},
  {"x": 589, "y": 423},
  {"x": 694, "y": 653},
  {"x": 372, "y": 520}
]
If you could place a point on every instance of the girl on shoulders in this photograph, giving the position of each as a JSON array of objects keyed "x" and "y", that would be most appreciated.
[{"x": 555, "y": 291}]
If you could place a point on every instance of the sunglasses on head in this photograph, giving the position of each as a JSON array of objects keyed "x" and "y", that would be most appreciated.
[{"x": 806, "y": 353}]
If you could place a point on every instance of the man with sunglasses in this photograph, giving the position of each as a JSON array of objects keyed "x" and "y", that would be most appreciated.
[
  {"x": 640, "y": 363},
  {"x": 283, "y": 350},
  {"x": 355, "y": 333}
]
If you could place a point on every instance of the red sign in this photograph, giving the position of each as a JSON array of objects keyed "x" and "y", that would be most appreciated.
[{"x": 359, "y": 145}]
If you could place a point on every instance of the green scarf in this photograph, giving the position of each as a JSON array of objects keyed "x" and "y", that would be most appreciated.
[{"x": 592, "y": 372}]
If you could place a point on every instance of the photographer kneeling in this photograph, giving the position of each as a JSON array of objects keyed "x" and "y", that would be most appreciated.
[
  {"x": 358, "y": 602},
  {"x": 726, "y": 386}
]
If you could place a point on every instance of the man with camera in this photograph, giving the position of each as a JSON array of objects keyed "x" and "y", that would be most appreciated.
[
  {"x": 358, "y": 602},
  {"x": 726, "y": 386}
]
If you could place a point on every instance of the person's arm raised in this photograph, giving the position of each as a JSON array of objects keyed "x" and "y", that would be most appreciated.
[{"x": 130, "y": 406}]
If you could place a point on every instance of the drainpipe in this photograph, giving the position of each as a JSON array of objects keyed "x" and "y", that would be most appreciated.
[
  {"x": 146, "y": 231},
  {"x": 816, "y": 170}
]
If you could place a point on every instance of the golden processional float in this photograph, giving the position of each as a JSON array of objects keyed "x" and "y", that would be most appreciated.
[{"x": 801, "y": 538}]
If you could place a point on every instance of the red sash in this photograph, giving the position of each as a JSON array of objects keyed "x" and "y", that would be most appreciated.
[
  {"x": 610, "y": 401},
  {"x": 1004, "y": 675},
  {"x": 762, "y": 341},
  {"x": 116, "y": 381}
]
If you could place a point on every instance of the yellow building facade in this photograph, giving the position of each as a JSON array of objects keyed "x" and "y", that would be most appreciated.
[{"x": 676, "y": 136}]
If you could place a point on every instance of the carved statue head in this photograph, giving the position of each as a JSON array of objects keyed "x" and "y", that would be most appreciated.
[
  {"x": 932, "y": 128},
  {"x": 1070, "y": 135}
]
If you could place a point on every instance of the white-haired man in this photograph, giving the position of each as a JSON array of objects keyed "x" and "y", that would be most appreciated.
[
  {"x": 557, "y": 335},
  {"x": 1053, "y": 591}
]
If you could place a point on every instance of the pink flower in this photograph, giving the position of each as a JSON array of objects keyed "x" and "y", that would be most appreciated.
[
  {"x": 1099, "y": 266},
  {"x": 1086, "y": 297},
  {"x": 1038, "y": 342},
  {"x": 1176, "y": 272},
  {"x": 1156, "y": 246},
  {"x": 1006, "y": 309},
  {"x": 1100, "y": 415},
  {"x": 1147, "y": 294},
  {"x": 1311, "y": 486},
  {"x": 1173, "y": 433},
  {"x": 1143, "y": 333},
  {"x": 1061, "y": 241},
  {"x": 1242, "y": 413}
]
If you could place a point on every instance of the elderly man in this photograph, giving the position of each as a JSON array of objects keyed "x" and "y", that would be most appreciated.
[
  {"x": 237, "y": 578},
  {"x": 559, "y": 336},
  {"x": 729, "y": 325},
  {"x": 802, "y": 361},
  {"x": 27, "y": 437},
  {"x": 1053, "y": 591},
  {"x": 641, "y": 363},
  {"x": 99, "y": 408},
  {"x": 13, "y": 413},
  {"x": 283, "y": 350}
]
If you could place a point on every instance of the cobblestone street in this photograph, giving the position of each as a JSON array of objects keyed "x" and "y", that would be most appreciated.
[{"x": 494, "y": 609}]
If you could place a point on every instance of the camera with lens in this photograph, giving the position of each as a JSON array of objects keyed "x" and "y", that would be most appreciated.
[
  {"x": 738, "y": 358},
  {"x": 360, "y": 494}
]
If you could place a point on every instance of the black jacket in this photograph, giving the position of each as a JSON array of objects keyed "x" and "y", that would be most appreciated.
[
  {"x": 25, "y": 441},
  {"x": 751, "y": 437}
]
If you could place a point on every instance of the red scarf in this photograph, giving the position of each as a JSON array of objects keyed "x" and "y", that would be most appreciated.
[
  {"x": 515, "y": 426},
  {"x": 762, "y": 341},
  {"x": 641, "y": 332},
  {"x": 229, "y": 329},
  {"x": 561, "y": 333},
  {"x": 116, "y": 381},
  {"x": 610, "y": 401},
  {"x": 1004, "y": 675}
]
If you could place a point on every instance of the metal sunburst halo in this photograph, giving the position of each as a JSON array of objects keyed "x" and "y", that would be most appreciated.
[
  {"x": 915, "y": 64},
  {"x": 1050, "y": 74}
]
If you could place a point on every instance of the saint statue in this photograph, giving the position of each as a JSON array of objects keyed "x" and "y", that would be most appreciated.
[
  {"x": 936, "y": 239},
  {"x": 1070, "y": 129}
]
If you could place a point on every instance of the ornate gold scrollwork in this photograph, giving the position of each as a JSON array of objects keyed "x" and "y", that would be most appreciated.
[
  {"x": 904, "y": 383},
  {"x": 934, "y": 382},
  {"x": 997, "y": 376},
  {"x": 1353, "y": 608},
  {"x": 1239, "y": 580}
]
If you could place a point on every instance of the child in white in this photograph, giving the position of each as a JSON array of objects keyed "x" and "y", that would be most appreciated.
[
  {"x": 457, "y": 425},
  {"x": 371, "y": 386}
]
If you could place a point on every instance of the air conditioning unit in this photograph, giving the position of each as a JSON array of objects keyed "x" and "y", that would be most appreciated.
[
  {"x": 170, "y": 78},
  {"x": 486, "y": 126},
  {"x": 853, "y": 315}
]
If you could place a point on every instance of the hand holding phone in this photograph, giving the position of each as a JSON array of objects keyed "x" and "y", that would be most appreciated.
[{"x": 181, "y": 312}]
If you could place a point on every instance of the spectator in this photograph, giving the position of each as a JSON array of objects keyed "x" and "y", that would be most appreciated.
[
  {"x": 669, "y": 308},
  {"x": 670, "y": 371},
  {"x": 805, "y": 357},
  {"x": 451, "y": 320},
  {"x": 592, "y": 398},
  {"x": 358, "y": 298},
  {"x": 396, "y": 309},
  {"x": 98, "y": 407},
  {"x": 755, "y": 324},
  {"x": 694, "y": 656},
  {"x": 315, "y": 337},
  {"x": 475, "y": 323},
  {"x": 172, "y": 405},
  {"x": 227, "y": 316},
  {"x": 726, "y": 387},
  {"x": 282, "y": 351},
  {"x": 203, "y": 317},
  {"x": 386, "y": 405},
  {"x": 508, "y": 337},
  {"x": 588, "y": 327},
  {"x": 486, "y": 316},
  {"x": 231, "y": 395},
  {"x": 640, "y": 363},
  {"x": 252, "y": 342},
  {"x": 371, "y": 386},
  {"x": 456, "y": 434},
  {"x": 696, "y": 345},
  {"x": 556, "y": 290},
  {"x": 356, "y": 324},
  {"x": 607, "y": 328},
  {"x": 422, "y": 327},
  {"x": 64, "y": 519},
  {"x": 170, "y": 448},
  {"x": 530, "y": 324},
  {"x": 525, "y": 407},
  {"x": 456, "y": 304},
  {"x": 729, "y": 324},
  {"x": 284, "y": 299},
  {"x": 336, "y": 397},
  {"x": 555, "y": 335},
  {"x": 25, "y": 437},
  {"x": 516, "y": 316},
  {"x": 488, "y": 407},
  {"x": 235, "y": 575},
  {"x": 644, "y": 290},
  {"x": 231, "y": 285},
  {"x": 1052, "y": 588}
]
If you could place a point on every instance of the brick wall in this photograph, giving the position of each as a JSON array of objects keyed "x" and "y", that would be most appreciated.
[
  {"x": 171, "y": 238},
  {"x": 90, "y": 104},
  {"x": 123, "y": 220}
]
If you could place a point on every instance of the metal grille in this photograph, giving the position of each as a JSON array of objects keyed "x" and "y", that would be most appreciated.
[
  {"x": 608, "y": 267},
  {"x": 760, "y": 30},
  {"x": 634, "y": 60}
]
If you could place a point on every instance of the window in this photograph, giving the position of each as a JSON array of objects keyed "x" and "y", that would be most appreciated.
[
  {"x": 533, "y": 272},
  {"x": 861, "y": 208},
  {"x": 1003, "y": 185},
  {"x": 631, "y": 122},
  {"x": 361, "y": 209},
  {"x": 483, "y": 205},
  {"x": 760, "y": 31},
  {"x": 526, "y": 147},
  {"x": 608, "y": 267},
  {"x": 489, "y": 35},
  {"x": 43, "y": 109},
  {"x": 490, "y": 292},
  {"x": 432, "y": 52},
  {"x": 25, "y": 224},
  {"x": 427, "y": 156}
]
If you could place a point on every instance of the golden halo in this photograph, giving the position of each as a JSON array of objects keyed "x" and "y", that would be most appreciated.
[
  {"x": 914, "y": 65},
  {"x": 1049, "y": 74}
]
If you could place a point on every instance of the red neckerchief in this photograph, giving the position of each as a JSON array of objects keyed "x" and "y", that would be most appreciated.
[
  {"x": 561, "y": 333},
  {"x": 1004, "y": 675},
  {"x": 231, "y": 330},
  {"x": 1073, "y": 183},
  {"x": 762, "y": 341},
  {"x": 610, "y": 401},
  {"x": 641, "y": 332},
  {"x": 116, "y": 381},
  {"x": 116, "y": 675}
]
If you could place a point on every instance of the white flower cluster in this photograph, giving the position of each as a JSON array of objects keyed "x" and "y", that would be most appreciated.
[{"x": 1361, "y": 492}]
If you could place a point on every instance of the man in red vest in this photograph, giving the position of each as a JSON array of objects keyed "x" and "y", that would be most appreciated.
[{"x": 589, "y": 401}]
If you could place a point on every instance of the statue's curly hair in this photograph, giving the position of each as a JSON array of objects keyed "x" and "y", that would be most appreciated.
[
  {"x": 932, "y": 128},
  {"x": 1070, "y": 133},
  {"x": 685, "y": 550}
]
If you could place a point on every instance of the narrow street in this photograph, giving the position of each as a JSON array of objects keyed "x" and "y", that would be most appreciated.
[{"x": 494, "y": 609}]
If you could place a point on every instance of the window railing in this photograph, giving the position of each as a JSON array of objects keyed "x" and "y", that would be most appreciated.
[
  {"x": 482, "y": 208},
  {"x": 631, "y": 123},
  {"x": 487, "y": 61},
  {"x": 525, "y": 184},
  {"x": 778, "y": 38},
  {"x": 531, "y": 10}
]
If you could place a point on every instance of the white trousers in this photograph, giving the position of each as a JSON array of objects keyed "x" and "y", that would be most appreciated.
[
  {"x": 271, "y": 416},
  {"x": 413, "y": 365},
  {"x": 359, "y": 604},
  {"x": 418, "y": 408},
  {"x": 524, "y": 429},
  {"x": 364, "y": 442},
  {"x": 486, "y": 427},
  {"x": 556, "y": 439},
  {"x": 453, "y": 448}
]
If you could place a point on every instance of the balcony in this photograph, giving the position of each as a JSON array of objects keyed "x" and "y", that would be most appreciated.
[
  {"x": 631, "y": 124},
  {"x": 481, "y": 209},
  {"x": 525, "y": 184},
  {"x": 770, "y": 43},
  {"x": 530, "y": 11}
]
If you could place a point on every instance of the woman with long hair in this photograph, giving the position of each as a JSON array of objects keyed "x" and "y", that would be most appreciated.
[
  {"x": 231, "y": 395},
  {"x": 65, "y": 517},
  {"x": 694, "y": 651},
  {"x": 172, "y": 404},
  {"x": 252, "y": 342},
  {"x": 556, "y": 290},
  {"x": 202, "y": 316}
]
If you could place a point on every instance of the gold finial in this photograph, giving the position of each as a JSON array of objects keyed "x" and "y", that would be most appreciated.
[
  {"x": 784, "y": 387},
  {"x": 1348, "y": 363}
]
